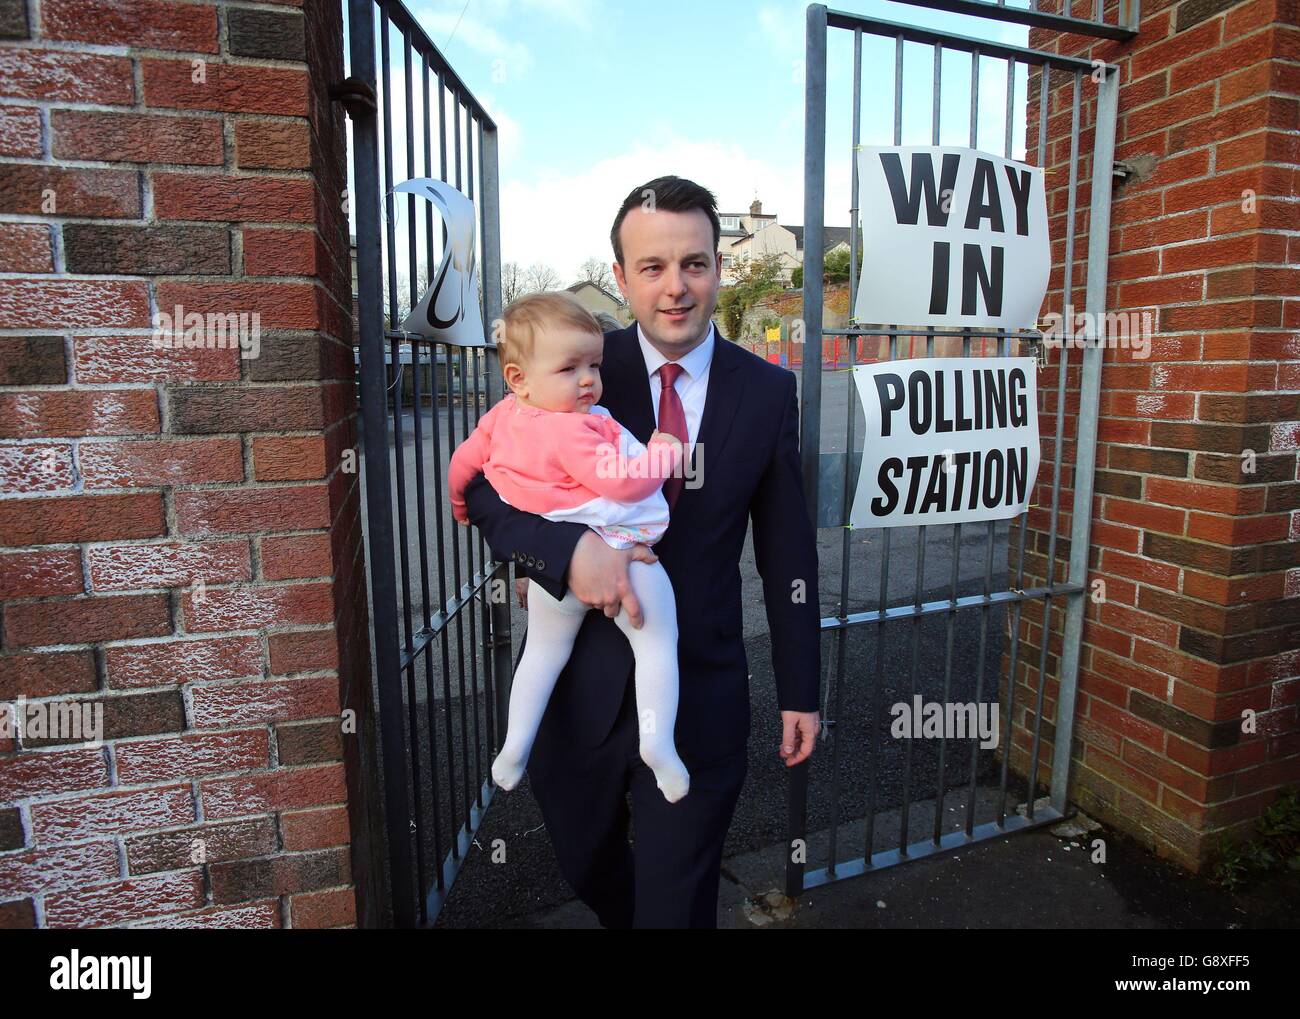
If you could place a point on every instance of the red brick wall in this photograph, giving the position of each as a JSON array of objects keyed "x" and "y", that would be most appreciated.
[
  {"x": 1195, "y": 538},
  {"x": 178, "y": 542}
]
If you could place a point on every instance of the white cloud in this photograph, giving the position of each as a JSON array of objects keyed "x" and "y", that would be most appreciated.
[
  {"x": 450, "y": 23},
  {"x": 579, "y": 13},
  {"x": 510, "y": 139},
  {"x": 784, "y": 29},
  {"x": 562, "y": 220},
  {"x": 516, "y": 59}
]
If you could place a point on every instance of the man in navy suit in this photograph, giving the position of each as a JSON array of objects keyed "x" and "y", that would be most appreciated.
[{"x": 742, "y": 417}]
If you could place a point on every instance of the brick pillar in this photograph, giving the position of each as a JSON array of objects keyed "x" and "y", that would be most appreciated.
[
  {"x": 180, "y": 539},
  {"x": 1195, "y": 521}
]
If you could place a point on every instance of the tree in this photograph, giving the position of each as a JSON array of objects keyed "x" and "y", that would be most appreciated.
[
  {"x": 753, "y": 279},
  {"x": 593, "y": 270},
  {"x": 512, "y": 282},
  {"x": 404, "y": 304},
  {"x": 540, "y": 277},
  {"x": 731, "y": 312},
  {"x": 756, "y": 277},
  {"x": 835, "y": 267}
]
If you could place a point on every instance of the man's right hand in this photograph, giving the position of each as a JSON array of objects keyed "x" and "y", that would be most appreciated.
[
  {"x": 598, "y": 576},
  {"x": 668, "y": 437}
]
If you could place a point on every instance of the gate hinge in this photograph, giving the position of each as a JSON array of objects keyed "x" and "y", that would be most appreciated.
[
  {"x": 356, "y": 96},
  {"x": 1121, "y": 171}
]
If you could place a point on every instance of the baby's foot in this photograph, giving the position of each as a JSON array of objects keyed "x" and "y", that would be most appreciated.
[
  {"x": 670, "y": 773},
  {"x": 507, "y": 770}
]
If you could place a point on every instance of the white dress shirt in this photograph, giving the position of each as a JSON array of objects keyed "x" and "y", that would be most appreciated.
[{"x": 692, "y": 384}]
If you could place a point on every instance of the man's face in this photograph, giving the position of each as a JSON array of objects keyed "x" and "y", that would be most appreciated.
[{"x": 669, "y": 275}]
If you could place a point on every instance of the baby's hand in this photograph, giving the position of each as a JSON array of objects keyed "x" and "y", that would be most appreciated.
[{"x": 666, "y": 437}]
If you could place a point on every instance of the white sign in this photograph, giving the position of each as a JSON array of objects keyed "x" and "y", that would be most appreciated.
[
  {"x": 948, "y": 440},
  {"x": 951, "y": 237},
  {"x": 449, "y": 309}
]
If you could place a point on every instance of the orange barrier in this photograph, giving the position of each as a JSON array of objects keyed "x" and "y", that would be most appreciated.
[{"x": 836, "y": 352}]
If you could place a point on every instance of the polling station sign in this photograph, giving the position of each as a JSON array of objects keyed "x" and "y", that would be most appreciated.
[
  {"x": 948, "y": 440},
  {"x": 951, "y": 237}
]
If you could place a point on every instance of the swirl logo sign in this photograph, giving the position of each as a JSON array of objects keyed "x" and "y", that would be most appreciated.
[{"x": 449, "y": 310}]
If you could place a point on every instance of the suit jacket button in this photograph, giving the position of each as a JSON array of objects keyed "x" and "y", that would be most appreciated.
[
  {"x": 541, "y": 565},
  {"x": 532, "y": 561}
]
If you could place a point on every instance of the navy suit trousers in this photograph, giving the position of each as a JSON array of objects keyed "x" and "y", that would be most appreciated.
[{"x": 671, "y": 880}]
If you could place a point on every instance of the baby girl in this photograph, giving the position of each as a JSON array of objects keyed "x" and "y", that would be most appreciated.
[{"x": 548, "y": 448}]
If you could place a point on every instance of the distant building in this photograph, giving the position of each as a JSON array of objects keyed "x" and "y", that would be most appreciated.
[
  {"x": 756, "y": 234},
  {"x": 596, "y": 298}
]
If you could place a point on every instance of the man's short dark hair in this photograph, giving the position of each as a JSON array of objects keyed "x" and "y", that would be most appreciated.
[{"x": 670, "y": 194}]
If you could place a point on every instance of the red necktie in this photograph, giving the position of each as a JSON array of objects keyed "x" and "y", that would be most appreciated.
[{"x": 672, "y": 419}]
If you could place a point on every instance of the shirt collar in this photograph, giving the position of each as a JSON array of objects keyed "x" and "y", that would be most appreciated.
[{"x": 693, "y": 363}]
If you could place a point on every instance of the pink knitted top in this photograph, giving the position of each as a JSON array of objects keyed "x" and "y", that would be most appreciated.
[{"x": 545, "y": 461}]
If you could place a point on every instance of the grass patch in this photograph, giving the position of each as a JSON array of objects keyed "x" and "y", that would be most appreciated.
[{"x": 1276, "y": 845}]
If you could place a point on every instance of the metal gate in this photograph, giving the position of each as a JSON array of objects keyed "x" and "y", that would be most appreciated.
[
  {"x": 900, "y": 622},
  {"x": 440, "y": 682}
]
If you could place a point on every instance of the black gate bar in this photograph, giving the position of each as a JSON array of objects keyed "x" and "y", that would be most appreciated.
[{"x": 434, "y": 797}]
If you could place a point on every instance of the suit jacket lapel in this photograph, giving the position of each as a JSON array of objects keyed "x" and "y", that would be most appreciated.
[
  {"x": 720, "y": 405},
  {"x": 627, "y": 384}
]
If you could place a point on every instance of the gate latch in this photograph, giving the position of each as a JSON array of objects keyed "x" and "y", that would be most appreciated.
[{"x": 1038, "y": 349}]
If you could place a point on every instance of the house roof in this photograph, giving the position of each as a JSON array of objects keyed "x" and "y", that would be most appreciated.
[
  {"x": 617, "y": 299},
  {"x": 831, "y": 236},
  {"x": 740, "y": 231},
  {"x": 744, "y": 236}
]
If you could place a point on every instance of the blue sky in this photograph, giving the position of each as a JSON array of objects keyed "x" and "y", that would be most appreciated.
[{"x": 594, "y": 97}]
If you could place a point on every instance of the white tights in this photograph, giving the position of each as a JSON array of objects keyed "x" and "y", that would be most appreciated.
[{"x": 553, "y": 627}]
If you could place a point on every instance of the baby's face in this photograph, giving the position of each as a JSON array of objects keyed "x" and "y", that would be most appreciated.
[{"x": 564, "y": 371}]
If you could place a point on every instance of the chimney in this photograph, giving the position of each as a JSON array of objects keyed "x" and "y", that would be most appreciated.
[{"x": 755, "y": 208}]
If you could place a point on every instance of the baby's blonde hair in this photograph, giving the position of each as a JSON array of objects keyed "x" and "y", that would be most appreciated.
[{"x": 522, "y": 319}]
